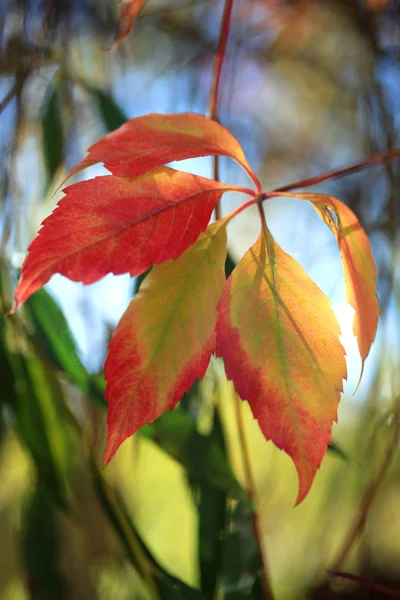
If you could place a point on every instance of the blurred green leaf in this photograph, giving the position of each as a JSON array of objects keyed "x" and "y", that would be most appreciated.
[
  {"x": 230, "y": 264},
  {"x": 53, "y": 133},
  {"x": 52, "y": 333},
  {"x": 7, "y": 387},
  {"x": 40, "y": 548},
  {"x": 175, "y": 432},
  {"x": 97, "y": 388},
  {"x": 167, "y": 586},
  {"x": 111, "y": 114},
  {"x": 40, "y": 422},
  {"x": 241, "y": 568},
  {"x": 139, "y": 280},
  {"x": 212, "y": 504},
  {"x": 337, "y": 450}
]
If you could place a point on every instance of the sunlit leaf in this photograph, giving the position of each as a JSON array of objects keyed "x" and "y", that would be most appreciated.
[
  {"x": 153, "y": 140},
  {"x": 279, "y": 339},
  {"x": 165, "y": 338},
  {"x": 118, "y": 225},
  {"x": 167, "y": 586},
  {"x": 358, "y": 266}
]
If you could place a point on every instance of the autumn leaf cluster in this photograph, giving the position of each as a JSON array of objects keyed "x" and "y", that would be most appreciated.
[{"x": 273, "y": 327}]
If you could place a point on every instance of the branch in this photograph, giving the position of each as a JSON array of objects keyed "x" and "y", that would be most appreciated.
[
  {"x": 216, "y": 78},
  {"x": 367, "y": 583},
  {"x": 252, "y": 493}
]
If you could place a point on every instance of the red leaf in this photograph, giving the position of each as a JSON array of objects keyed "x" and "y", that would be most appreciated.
[
  {"x": 279, "y": 339},
  {"x": 118, "y": 225},
  {"x": 154, "y": 140},
  {"x": 165, "y": 338},
  {"x": 128, "y": 13}
]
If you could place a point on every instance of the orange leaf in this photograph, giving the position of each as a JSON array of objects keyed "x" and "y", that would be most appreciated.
[
  {"x": 119, "y": 225},
  {"x": 358, "y": 266},
  {"x": 279, "y": 339},
  {"x": 165, "y": 338},
  {"x": 128, "y": 13},
  {"x": 156, "y": 139}
]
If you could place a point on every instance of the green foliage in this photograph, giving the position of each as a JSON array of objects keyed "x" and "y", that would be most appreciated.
[
  {"x": 41, "y": 546},
  {"x": 53, "y": 133}
]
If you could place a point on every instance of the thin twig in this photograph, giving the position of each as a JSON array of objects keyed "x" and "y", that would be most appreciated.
[
  {"x": 8, "y": 97},
  {"x": 216, "y": 78},
  {"x": 252, "y": 492},
  {"x": 378, "y": 158},
  {"x": 219, "y": 59},
  {"x": 367, "y": 583},
  {"x": 368, "y": 498}
]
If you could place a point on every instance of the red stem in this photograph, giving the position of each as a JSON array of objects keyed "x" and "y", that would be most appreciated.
[
  {"x": 219, "y": 59},
  {"x": 374, "y": 159},
  {"x": 367, "y": 583},
  {"x": 242, "y": 207},
  {"x": 216, "y": 78}
]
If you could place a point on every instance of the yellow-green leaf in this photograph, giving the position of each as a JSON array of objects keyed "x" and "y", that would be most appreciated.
[
  {"x": 358, "y": 266},
  {"x": 279, "y": 339},
  {"x": 165, "y": 338}
]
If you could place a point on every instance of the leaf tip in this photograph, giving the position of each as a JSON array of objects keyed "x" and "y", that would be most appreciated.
[
  {"x": 113, "y": 443},
  {"x": 361, "y": 374},
  {"x": 304, "y": 488},
  {"x": 13, "y": 309}
]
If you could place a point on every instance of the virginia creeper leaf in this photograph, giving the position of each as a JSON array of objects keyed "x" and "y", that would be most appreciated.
[
  {"x": 358, "y": 266},
  {"x": 119, "y": 225},
  {"x": 165, "y": 339},
  {"x": 279, "y": 339},
  {"x": 153, "y": 140}
]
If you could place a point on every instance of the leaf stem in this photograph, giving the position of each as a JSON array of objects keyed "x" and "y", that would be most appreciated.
[
  {"x": 252, "y": 492},
  {"x": 260, "y": 207},
  {"x": 366, "y": 583},
  {"x": 215, "y": 83},
  {"x": 370, "y": 161},
  {"x": 241, "y": 208}
]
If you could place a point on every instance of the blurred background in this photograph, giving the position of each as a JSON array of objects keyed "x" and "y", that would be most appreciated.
[{"x": 307, "y": 86}]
